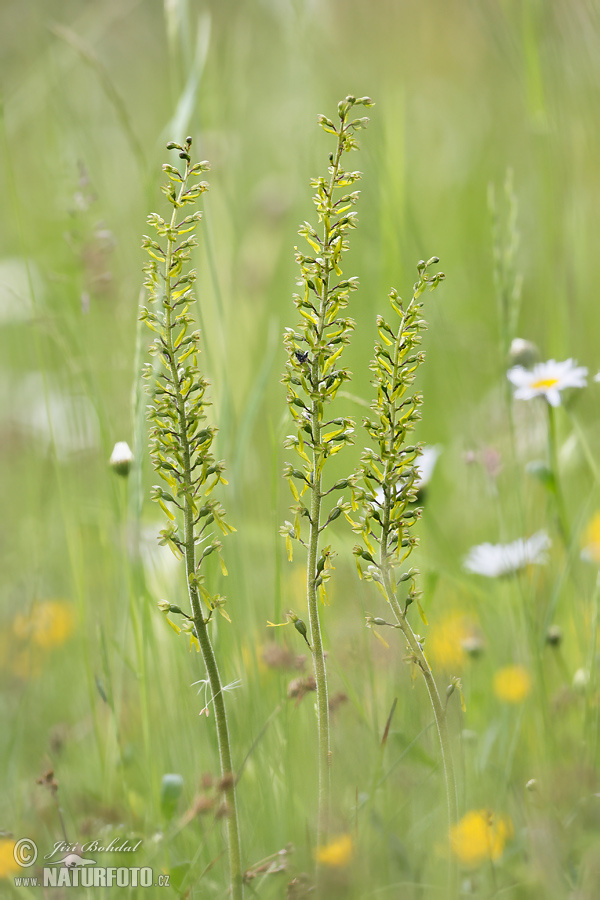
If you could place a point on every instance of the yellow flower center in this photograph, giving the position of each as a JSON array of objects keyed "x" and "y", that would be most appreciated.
[{"x": 545, "y": 383}]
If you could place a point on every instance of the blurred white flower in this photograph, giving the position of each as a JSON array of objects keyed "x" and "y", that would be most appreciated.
[
  {"x": 547, "y": 379},
  {"x": 494, "y": 560},
  {"x": 121, "y": 458},
  {"x": 48, "y": 413},
  {"x": 597, "y": 377},
  {"x": 426, "y": 464}
]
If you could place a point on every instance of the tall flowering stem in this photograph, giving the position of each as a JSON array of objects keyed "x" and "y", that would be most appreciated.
[
  {"x": 181, "y": 442},
  {"x": 313, "y": 377},
  {"x": 388, "y": 474}
]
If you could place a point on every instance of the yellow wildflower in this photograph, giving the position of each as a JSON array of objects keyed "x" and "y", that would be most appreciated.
[
  {"x": 8, "y": 866},
  {"x": 591, "y": 540},
  {"x": 337, "y": 853},
  {"x": 48, "y": 624},
  {"x": 512, "y": 684},
  {"x": 480, "y": 835}
]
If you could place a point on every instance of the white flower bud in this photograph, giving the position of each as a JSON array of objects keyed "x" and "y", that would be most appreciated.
[
  {"x": 581, "y": 679},
  {"x": 523, "y": 353},
  {"x": 121, "y": 458}
]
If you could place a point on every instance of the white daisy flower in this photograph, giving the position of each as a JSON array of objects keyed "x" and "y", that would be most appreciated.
[
  {"x": 547, "y": 379},
  {"x": 495, "y": 560}
]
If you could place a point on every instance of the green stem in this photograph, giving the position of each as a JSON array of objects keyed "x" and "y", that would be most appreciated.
[
  {"x": 439, "y": 711},
  {"x": 200, "y": 624},
  {"x": 591, "y": 709},
  {"x": 324, "y": 742},
  {"x": 324, "y": 748},
  {"x": 563, "y": 522},
  {"x": 414, "y": 644},
  {"x": 585, "y": 446}
]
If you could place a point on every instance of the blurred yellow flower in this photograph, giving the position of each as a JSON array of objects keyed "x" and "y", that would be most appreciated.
[
  {"x": 480, "y": 835},
  {"x": 8, "y": 866},
  {"x": 48, "y": 624},
  {"x": 337, "y": 853},
  {"x": 445, "y": 641},
  {"x": 591, "y": 540},
  {"x": 512, "y": 684}
]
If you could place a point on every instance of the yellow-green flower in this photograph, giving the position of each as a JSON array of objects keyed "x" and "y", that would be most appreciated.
[
  {"x": 512, "y": 684},
  {"x": 337, "y": 853},
  {"x": 479, "y": 836}
]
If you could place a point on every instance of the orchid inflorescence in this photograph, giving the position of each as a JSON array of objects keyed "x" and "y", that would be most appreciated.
[
  {"x": 181, "y": 440},
  {"x": 389, "y": 471},
  {"x": 314, "y": 376}
]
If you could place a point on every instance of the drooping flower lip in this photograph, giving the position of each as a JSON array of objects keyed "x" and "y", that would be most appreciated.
[
  {"x": 547, "y": 379},
  {"x": 496, "y": 560}
]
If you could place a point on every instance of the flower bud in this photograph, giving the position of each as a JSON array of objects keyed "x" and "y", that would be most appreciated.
[
  {"x": 581, "y": 679},
  {"x": 523, "y": 353},
  {"x": 121, "y": 458},
  {"x": 554, "y": 636}
]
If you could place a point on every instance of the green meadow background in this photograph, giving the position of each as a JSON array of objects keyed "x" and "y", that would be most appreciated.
[{"x": 95, "y": 686}]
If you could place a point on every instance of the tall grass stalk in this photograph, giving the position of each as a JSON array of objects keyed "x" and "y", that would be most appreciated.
[
  {"x": 561, "y": 509},
  {"x": 181, "y": 446},
  {"x": 389, "y": 474},
  {"x": 313, "y": 380}
]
